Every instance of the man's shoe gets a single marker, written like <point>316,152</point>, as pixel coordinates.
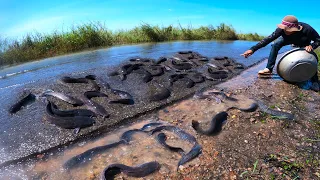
<point>315,86</point>
<point>265,71</point>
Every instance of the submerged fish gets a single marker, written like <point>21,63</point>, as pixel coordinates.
<point>136,171</point>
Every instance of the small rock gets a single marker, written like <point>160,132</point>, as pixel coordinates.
<point>181,167</point>
<point>246,141</point>
<point>253,120</point>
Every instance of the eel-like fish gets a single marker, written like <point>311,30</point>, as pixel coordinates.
<point>91,94</point>
<point>68,79</point>
<point>68,122</point>
<point>87,155</point>
<point>71,113</point>
<point>125,98</point>
<point>253,106</point>
<point>162,93</point>
<point>217,74</point>
<point>194,152</point>
<point>196,77</point>
<point>181,66</point>
<point>146,126</point>
<point>161,138</point>
<point>280,114</point>
<point>215,125</point>
<point>24,101</point>
<point>136,171</point>
<point>127,136</point>
<point>64,97</point>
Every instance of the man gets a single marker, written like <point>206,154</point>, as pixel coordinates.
<point>289,32</point>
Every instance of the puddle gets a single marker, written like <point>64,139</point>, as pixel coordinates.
<point>142,149</point>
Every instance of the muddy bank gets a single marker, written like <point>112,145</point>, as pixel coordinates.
<point>251,145</point>
<point>29,131</point>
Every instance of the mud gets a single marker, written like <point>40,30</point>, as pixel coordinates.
<point>251,145</point>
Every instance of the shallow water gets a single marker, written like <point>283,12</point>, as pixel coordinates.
<point>39,70</point>
<point>14,79</point>
<point>142,149</point>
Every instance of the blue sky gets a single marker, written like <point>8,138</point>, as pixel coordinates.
<point>17,18</point>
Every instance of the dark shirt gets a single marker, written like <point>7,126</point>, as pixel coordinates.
<point>301,38</point>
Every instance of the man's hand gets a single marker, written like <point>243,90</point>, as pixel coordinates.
<point>309,48</point>
<point>247,53</point>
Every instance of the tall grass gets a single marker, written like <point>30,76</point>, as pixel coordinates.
<point>94,35</point>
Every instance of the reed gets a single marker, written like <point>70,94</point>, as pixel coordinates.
<point>95,35</point>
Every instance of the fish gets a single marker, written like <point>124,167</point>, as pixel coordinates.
<point>215,124</point>
<point>71,113</point>
<point>69,99</point>
<point>141,170</point>
<point>161,138</point>
<point>86,156</point>
<point>24,101</point>
<point>68,122</point>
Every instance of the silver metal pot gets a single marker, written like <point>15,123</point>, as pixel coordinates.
<point>297,65</point>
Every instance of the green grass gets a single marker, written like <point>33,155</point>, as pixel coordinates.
<point>95,35</point>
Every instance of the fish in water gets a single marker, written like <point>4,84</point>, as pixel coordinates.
<point>24,101</point>
<point>68,122</point>
<point>84,157</point>
<point>64,97</point>
<point>146,126</point>
<point>161,138</point>
<point>137,171</point>
<point>194,152</point>
<point>127,136</point>
<point>215,124</point>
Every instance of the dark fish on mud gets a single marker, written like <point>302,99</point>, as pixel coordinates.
<point>276,113</point>
<point>196,150</point>
<point>136,171</point>
<point>91,94</point>
<point>160,94</point>
<point>68,79</point>
<point>96,108</point>
<point>63,97</point>
<point>215,124</point>
<point>68,122</point>
<point>161,138</point>
<point>124,97</point>
<point>71,113</point>
<point>24,101</point>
